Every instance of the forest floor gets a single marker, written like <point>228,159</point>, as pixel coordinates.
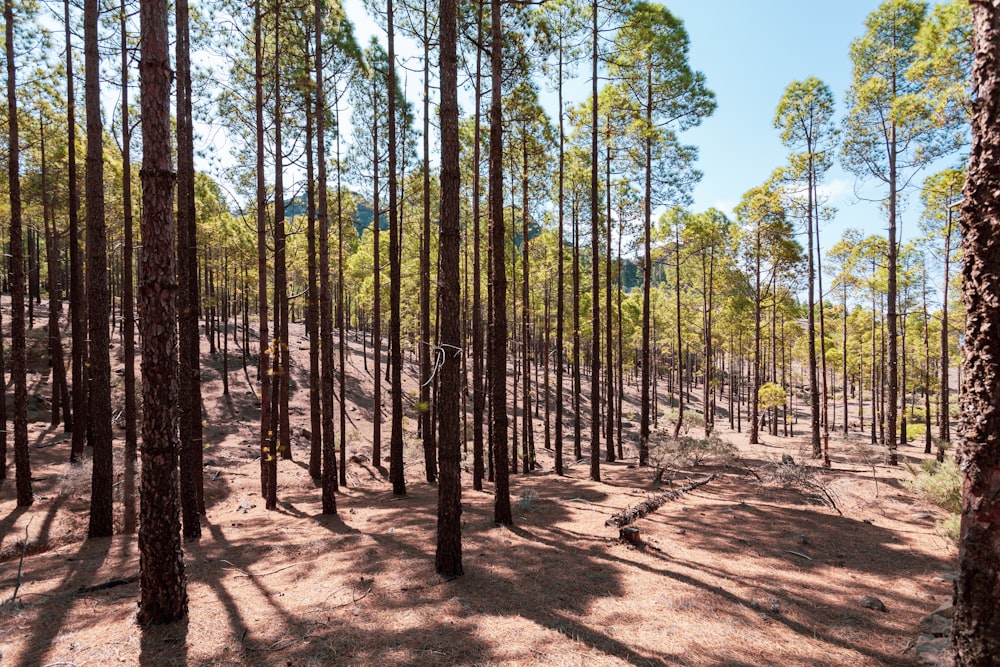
<point>764,565</point>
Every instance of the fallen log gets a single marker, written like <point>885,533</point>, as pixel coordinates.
<point>113,583</point>
<point>630,514</point>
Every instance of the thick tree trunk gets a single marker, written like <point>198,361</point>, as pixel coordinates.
<point>128,296</point>
<point>18,371</point>
<point>329,456</point>
<point>189,370</point>
<point>448,559</point>
<point>498,322</point>
<point>162,589</point>
<point>976,629</point>
<point>98,296</point>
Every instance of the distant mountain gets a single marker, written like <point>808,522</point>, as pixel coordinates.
<point>362,220</point>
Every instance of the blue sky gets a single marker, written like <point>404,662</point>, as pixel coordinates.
<point>749,53</point>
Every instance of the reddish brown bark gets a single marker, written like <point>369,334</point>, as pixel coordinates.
<point>976,629</point>
<point>22,465</point>
<point>162,590</point>
<point>448,560</point>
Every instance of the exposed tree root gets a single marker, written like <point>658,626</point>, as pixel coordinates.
<point>630,514</point>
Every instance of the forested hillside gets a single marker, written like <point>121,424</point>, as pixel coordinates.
<point>255,265</point>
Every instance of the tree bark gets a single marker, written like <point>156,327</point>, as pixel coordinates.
<point>18,371</point>
<point>396,473</point>
<point>98,296</point>
<point>498,323</point>
<point>264,359</point>
<point>426,414</point>
<point>128,295</point>
<point>595,271</point>
<point>976,629</point>
<point>189,371</point>
<point>478,390</point>
<point>313,288</point>
<point>448,559</point>
<point>77,294</point>
<point>162,589</point>
<point>329,456</point>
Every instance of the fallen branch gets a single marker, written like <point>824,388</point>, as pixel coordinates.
<point>112,583</point>
<point>630,514</point>
<point>801,555</point>
<point>20,564</point>
<point>244,573</point>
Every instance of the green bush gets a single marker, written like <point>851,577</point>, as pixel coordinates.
<point>940,483</point>
<point>915,432</point>
<point>950,527</point>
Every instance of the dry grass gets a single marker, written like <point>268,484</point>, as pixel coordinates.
<point>741,571</point>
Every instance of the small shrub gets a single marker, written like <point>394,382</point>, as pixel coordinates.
<point>688,451</point>
<point>915,432</point>
<point>950,527</point>
<point>528,498</point>
<point>940,483</point>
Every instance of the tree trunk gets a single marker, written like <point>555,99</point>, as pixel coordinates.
<point>312,311</point>
<point>680,342</point>
<point>647,285</point>
<point>448,558</point>
<point>396,473</point>
<point>98,297</point>
<point>814,407</point>
<point>189,371</point>
<point>128,296</point>
<point>595,271</point>
<point>162,589</point>
<point>282,359</point>
<point>478,390</point>
<point>944,409</point>
<point>77,287</point>
<point>329,456</point>
<point>60,389</point>
<point>341,323</point>
<point>609,358</point>
<point>263,368</point>
<point>498,324</point>
<point>976,629</point>
<point>18,371</point>
<point>426,423</point>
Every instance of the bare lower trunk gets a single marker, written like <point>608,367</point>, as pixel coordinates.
<point>976,629</point>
